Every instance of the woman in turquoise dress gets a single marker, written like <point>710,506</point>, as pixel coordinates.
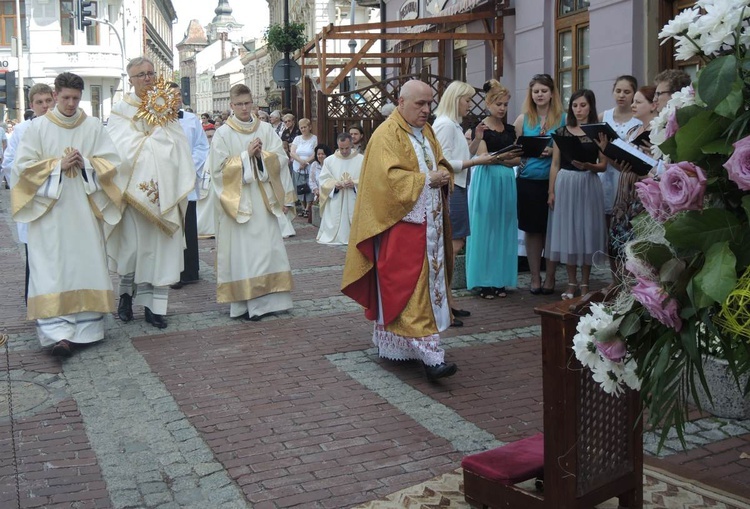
<point>542,114</point>
<point>492,247</point>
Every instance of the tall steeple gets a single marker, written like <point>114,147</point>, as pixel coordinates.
<point>223,13</point>
<point>223,24</point>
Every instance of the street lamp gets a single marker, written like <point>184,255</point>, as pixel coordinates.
<point>352,47</point>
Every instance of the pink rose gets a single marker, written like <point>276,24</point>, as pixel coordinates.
<point>672,125</point>
<point>612,350</point>
<point>682,187</point>
<point>650,195</point>
<point>658,303</point>
<point>639,268</point>
<point>738,166</point>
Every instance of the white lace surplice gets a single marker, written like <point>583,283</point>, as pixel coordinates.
<point>429,208</point>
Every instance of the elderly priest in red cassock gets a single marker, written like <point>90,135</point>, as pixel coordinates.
<point>398,264</point>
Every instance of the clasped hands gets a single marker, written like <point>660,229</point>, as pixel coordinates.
<point>255,148</point>
<point>72,160</point>
<point>439,178</point>
<point>345,184</point>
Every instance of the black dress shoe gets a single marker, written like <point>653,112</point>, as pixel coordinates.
<point>177,285</point>
<point>157,321</point>
<point>62,348</point>
<point>457,323</point>
<point>462,313</point>
<point>442,370</point>
<point>125,307</point>
<point>246,316</point>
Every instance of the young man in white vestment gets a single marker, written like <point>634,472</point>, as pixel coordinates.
<point>41,100</point>
<point>64,188</point>
<point>253,187</point>
<point>338,192</point>
<point>146,248</point>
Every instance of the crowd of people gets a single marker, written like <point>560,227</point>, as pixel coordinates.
<point>405,202</point>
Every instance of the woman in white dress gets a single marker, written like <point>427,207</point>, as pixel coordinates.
<point>302,153</point>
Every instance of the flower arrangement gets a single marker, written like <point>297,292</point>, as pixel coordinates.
<point>686,287</point>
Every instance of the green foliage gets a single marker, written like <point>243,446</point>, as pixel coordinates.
<point>285,39</point>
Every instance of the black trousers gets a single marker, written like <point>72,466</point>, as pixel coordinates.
<point>191,242</point>
<point>28,272</point>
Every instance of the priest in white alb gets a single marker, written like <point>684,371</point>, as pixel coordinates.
<point>64,189</point>
<point>338,192</point>
<point>146,247</point>
<point>254,189</point>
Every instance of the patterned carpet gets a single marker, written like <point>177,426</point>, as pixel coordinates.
<point>661,490</point>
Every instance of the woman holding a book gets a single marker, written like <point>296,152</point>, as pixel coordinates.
<point>542,114</point>
<point>627,205</point>
<point>577,229</point>
<point>453,106</point>
<point>492,248</point>
<point>621,119</point>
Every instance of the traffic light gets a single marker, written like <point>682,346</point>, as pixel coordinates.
<point>185,90</point>
<point>8,92</point>
<point>84,14</point>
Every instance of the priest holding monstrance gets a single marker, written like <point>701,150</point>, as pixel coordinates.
<point>146,247</point>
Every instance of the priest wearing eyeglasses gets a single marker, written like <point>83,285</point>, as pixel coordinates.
<point>146,248</point>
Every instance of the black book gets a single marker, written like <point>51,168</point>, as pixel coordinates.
<point>509,148</point>
<point>644,136</point>
<point>619,150</point>
<point>572,148</point>
<point>533,146</point>
<point>593,130</point>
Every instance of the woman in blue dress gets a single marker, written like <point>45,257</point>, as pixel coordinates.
<point>492,247</point>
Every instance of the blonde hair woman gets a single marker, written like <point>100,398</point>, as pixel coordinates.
<point>542,114</point>
<point>454,105</point>
<point>492,249</point>
<point>302,153</point>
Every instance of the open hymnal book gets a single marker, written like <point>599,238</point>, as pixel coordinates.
<point>619,150</point>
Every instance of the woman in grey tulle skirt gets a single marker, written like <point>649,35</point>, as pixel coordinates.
<point>576,229</point>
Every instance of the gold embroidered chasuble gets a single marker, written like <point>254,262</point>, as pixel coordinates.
<point>390,184</point>
<point>251,260</point>
<point>65,211</point>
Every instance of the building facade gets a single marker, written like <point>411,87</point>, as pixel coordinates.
<point>51,44</point>
<point>546,36</point>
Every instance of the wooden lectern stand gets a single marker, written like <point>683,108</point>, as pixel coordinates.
<point>593,443</point>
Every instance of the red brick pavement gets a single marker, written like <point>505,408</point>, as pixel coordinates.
<point>288,425</point>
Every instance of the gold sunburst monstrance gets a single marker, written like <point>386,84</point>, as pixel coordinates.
<point>160,104</point>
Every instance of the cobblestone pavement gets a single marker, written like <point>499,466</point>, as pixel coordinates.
<point>296,410</point>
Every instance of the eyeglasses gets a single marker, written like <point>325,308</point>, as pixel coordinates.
<point>142,75</point>
<point>657,94</point>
